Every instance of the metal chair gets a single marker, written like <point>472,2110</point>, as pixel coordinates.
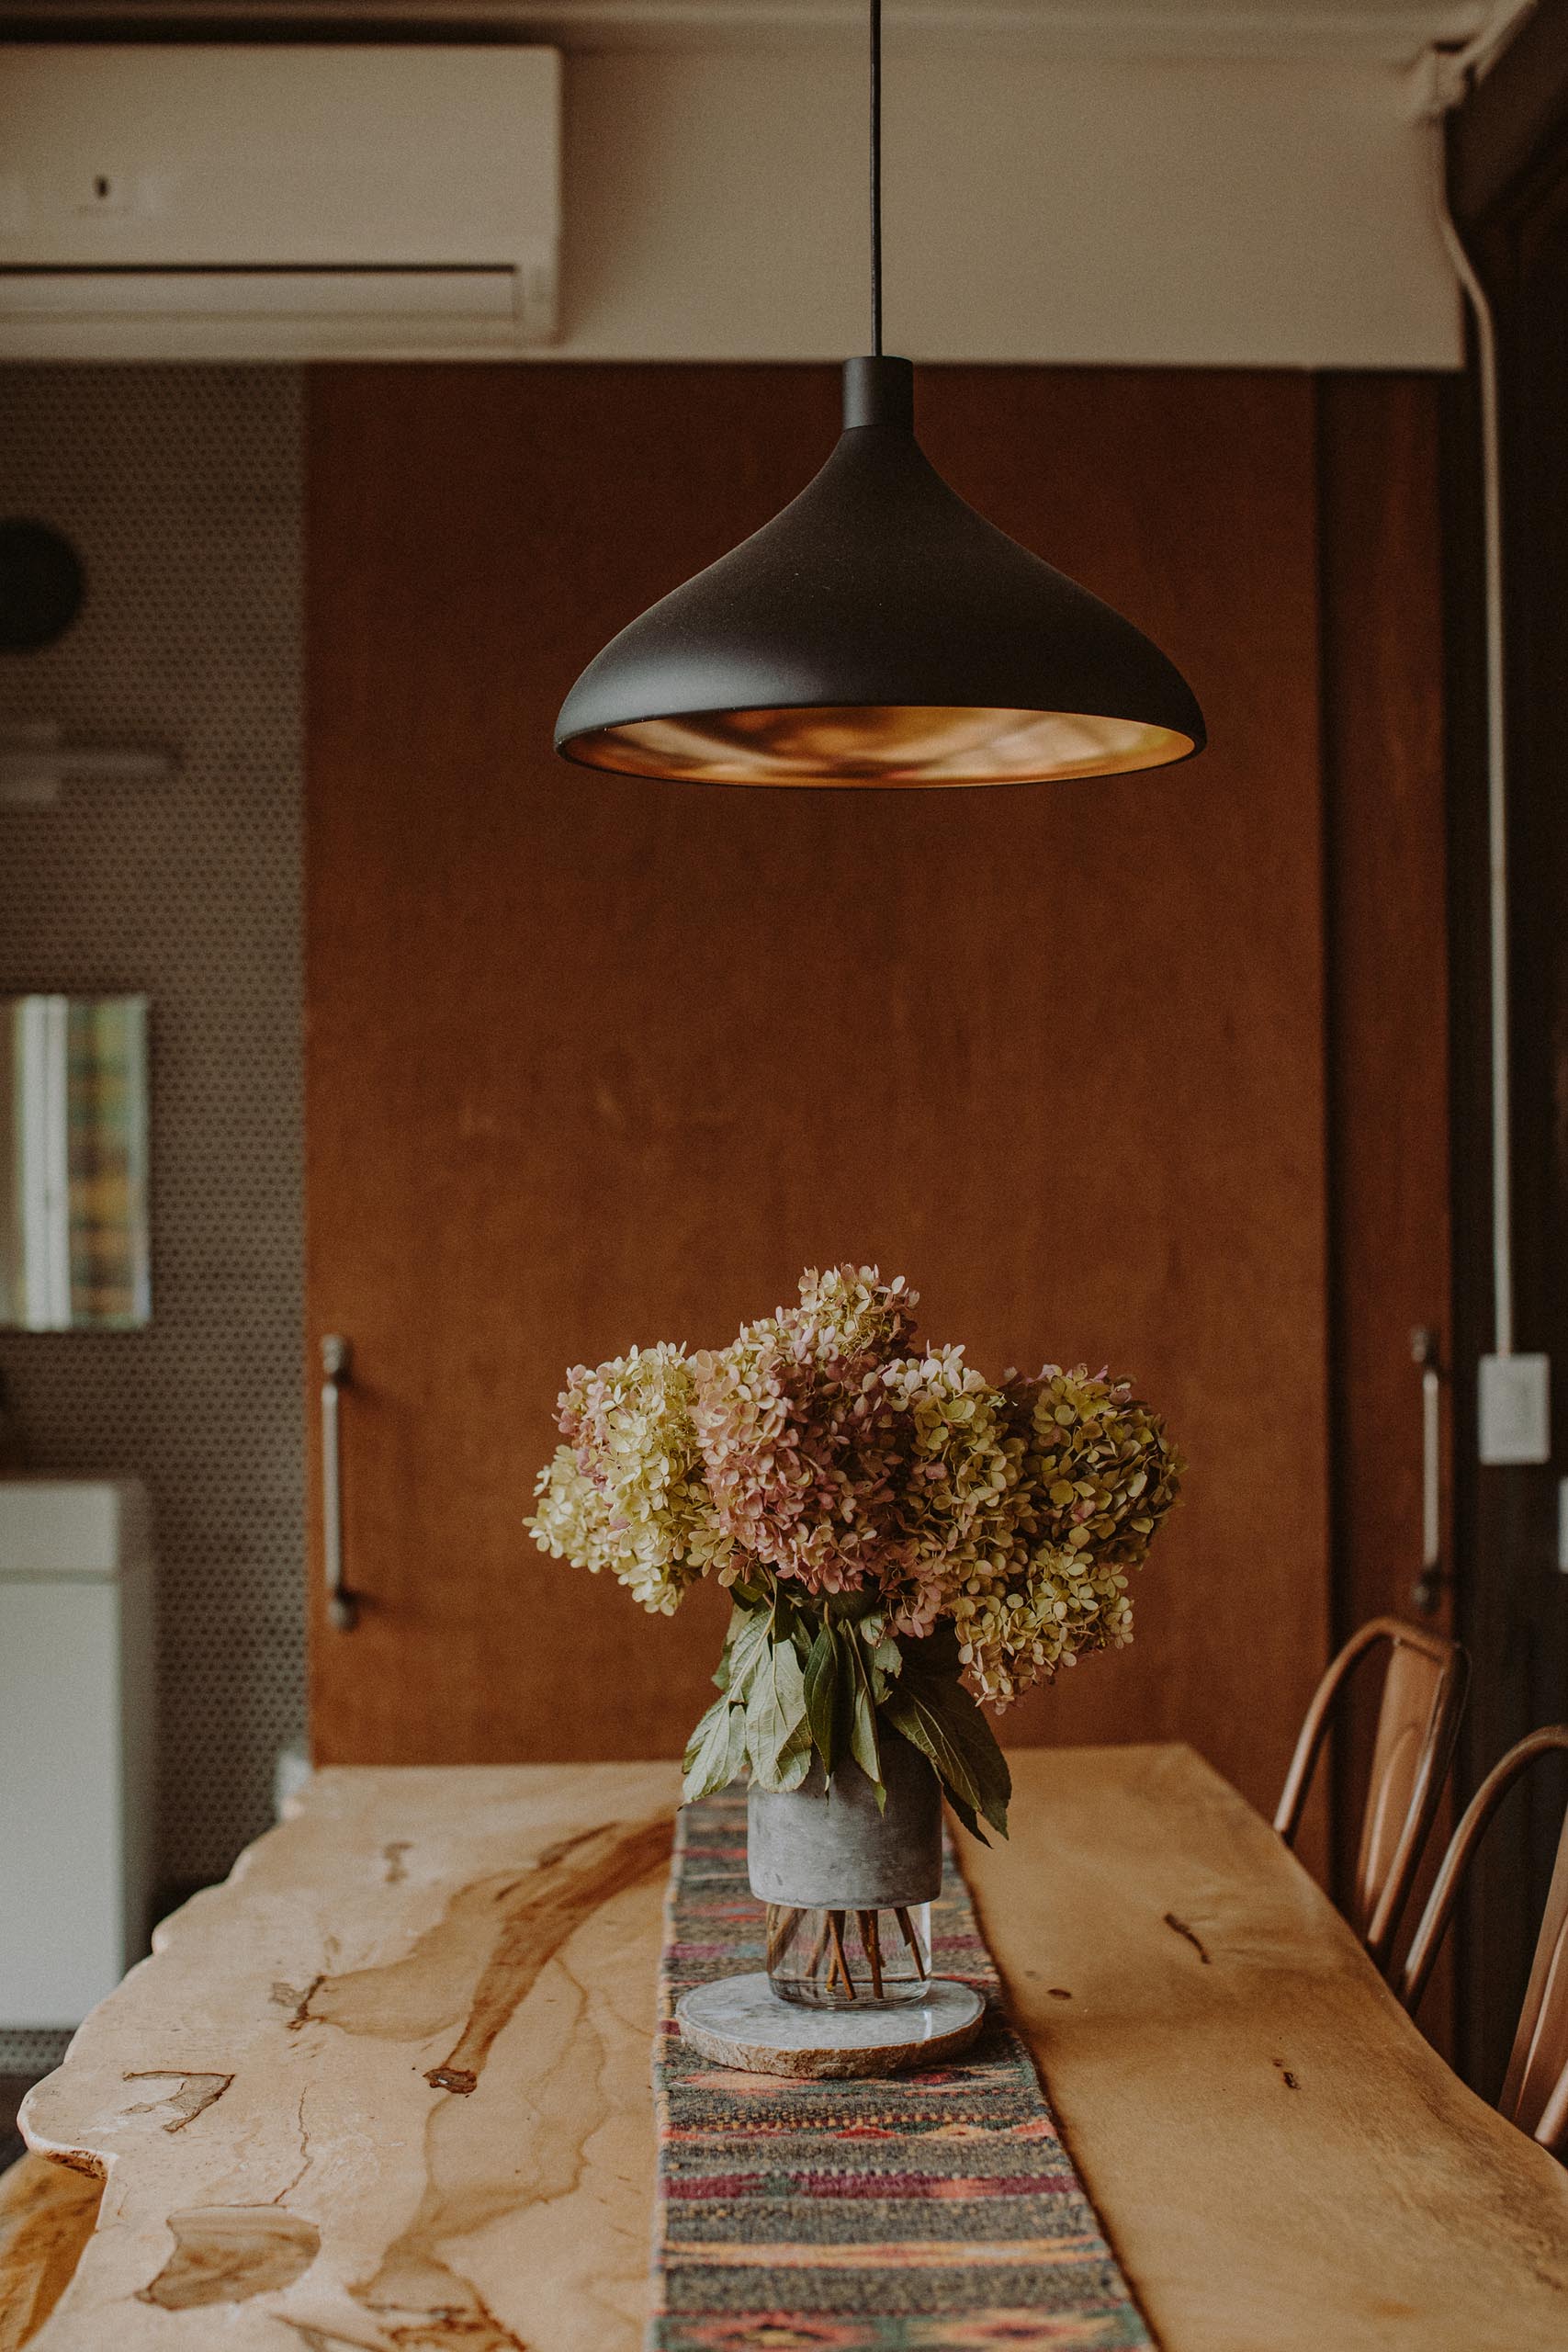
<point>1422,1697</point>
<point>1534,2088</point>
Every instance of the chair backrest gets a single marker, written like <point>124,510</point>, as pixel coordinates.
<point>1422,1697</point>
<point>1534,2088</point>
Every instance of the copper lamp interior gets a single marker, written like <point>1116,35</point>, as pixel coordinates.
<point>845,745</point>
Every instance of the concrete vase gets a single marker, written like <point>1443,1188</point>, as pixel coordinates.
<point>825,1845</point>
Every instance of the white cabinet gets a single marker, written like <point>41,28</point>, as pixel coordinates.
<point>75,1743</point>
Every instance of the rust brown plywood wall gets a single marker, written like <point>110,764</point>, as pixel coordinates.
<point>593,1061</point>
<point>1388,1018</point>
<point>1387,868</point>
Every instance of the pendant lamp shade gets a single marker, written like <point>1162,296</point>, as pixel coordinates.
<point>879,632</point>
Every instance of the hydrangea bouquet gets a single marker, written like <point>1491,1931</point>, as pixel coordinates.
<point>901,1540</point>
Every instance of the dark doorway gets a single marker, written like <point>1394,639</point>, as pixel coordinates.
<point>1508,183</point>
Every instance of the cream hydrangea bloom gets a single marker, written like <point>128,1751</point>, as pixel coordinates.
<point>627,1491</point>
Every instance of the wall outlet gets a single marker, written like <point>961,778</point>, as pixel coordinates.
<point>1516,1409</point>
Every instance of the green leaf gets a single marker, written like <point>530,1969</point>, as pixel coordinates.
<point>794,1760</point>
<point>941,1719</point>
<point>968,1817</point>
<point>935,1652</point>
<point>822,1694</point>
<point>775,1712</point>
<point>963,1745</point>
<point>866,1747</point>
<point>908,1713</point>
<point>721,1672</point>
<point>737,1744</point>
<point>708,1762</point>
<point>851,1608</point>
<point>750,1630</point>
<point>970,1732</point>
<point>864,1744</point>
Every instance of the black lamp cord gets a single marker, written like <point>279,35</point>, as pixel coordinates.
<point>877,177</point>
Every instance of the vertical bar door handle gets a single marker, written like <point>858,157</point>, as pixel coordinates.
<point>343,1609</point>
<point>1429,1585</point>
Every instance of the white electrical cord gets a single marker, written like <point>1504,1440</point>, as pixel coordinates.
<point>1497,727</point>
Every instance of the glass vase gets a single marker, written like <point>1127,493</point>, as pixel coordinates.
<point>831,1958</point>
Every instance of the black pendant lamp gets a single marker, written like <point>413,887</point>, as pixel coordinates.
<point>879,632</point>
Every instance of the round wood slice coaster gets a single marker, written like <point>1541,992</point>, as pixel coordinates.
<point>741,2022</point>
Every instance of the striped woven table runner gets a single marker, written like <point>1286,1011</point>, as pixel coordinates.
<point>920,2213</point>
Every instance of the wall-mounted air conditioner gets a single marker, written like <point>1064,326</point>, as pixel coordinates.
<point>269,202</point>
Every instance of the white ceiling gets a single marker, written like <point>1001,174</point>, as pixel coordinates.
<point>1392,32</point>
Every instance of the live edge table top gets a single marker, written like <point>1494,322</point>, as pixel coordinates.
<point>388,2087</point>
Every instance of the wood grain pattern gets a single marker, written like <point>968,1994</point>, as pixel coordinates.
<point>1388,1041</point>
<point>431,1994</point>
<point>1388,1023</point>
<point>592,1061</point>
<point>1281,2161</point>
<point>47,2215</point>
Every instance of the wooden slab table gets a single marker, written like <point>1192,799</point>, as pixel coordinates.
<point>388,2087</point>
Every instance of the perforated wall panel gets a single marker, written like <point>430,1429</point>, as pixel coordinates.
<point>181,489</point>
